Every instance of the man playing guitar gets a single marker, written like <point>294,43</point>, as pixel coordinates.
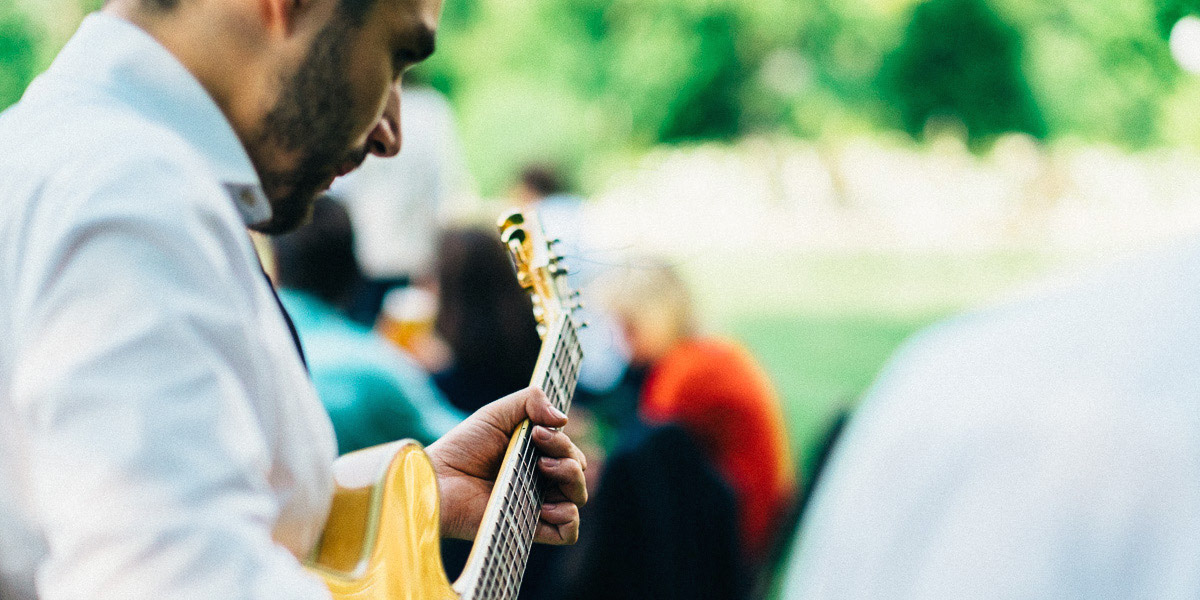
<point>158,434</point>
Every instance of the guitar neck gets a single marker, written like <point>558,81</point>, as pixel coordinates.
<point>497,562</point>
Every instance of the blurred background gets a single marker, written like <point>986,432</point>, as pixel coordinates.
<point>828,175</point>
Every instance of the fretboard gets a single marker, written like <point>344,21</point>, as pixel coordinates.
<point>497,562</point>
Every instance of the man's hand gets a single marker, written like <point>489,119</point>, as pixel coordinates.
<point>468,458</point>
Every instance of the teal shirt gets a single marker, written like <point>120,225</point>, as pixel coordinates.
<point>373,392</point>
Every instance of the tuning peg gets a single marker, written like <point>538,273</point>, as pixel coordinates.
<point>554,242</point>
<point>584,325</point>
<point>510,219</point>
<point>513,236</point>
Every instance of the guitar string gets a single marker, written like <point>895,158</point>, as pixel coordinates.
<point>513,539</point>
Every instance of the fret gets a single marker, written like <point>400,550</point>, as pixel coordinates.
<point>511,518</point>
<point>502,566</point>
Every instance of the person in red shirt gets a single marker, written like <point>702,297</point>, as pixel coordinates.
<point>716,390</point>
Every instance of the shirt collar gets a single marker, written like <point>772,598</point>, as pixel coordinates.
<point>121,61</point>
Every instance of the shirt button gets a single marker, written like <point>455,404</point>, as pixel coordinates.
<point>247,197</point>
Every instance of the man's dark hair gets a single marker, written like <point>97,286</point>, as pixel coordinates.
<point>484,316</point>
<point>318,258</point>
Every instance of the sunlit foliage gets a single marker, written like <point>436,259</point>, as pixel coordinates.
<point>960,61</point>
<point>18,53</point>
<point>583,82</point>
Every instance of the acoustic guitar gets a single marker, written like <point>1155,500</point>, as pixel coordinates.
<point>382,539</point>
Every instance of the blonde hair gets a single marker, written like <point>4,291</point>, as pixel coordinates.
<point>651,295</point>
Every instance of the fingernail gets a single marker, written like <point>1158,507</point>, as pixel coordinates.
<point>558,413</point>
<point>550,462</point>
<point>542,433</point>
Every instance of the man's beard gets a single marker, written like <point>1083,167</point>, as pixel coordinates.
<point>311,119</point>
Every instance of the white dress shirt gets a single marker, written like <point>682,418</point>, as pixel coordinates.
<point>1046,448</point>
<point>159,437</point>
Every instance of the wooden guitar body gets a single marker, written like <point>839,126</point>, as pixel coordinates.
<point>381,540</point>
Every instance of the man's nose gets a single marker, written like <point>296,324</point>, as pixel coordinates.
<point>384,140</point>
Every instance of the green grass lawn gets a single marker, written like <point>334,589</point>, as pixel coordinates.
<point>824,324</point>
<point>821,364</point>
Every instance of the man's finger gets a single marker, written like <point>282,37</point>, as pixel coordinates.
<point>559,513</point>
<point>543,412</point>
<point>556,444</point>
<point>566,474</point>
<point>554,494</point>
<point>530,403</point>
<point>559,524</point>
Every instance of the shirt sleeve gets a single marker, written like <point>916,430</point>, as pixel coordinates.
<point>133,374</point>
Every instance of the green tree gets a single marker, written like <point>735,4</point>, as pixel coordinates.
<point>1169,12</point>
<point>581,83</point>
<point>1099,68</point>
<point>19,44</point>
<point>571,81</point>
<point>959,59</point>
<point>679,68</point>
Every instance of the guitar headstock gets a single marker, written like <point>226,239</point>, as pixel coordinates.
<point>539,269</point>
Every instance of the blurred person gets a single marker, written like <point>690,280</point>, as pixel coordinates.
<point>373,392</point>
<point>562,215</point>
<point>484,318</point>
<point>712,387</point>
<point>664,533</point>
<point>159,437</point>
<point>1046,447</point>
<point>399,203</point>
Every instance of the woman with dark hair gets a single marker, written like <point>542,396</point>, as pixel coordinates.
<point>484,317</point>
